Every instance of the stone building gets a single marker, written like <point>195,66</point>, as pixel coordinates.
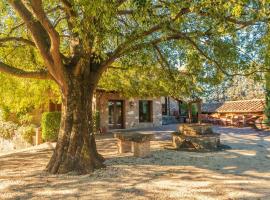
<point>118,112</point>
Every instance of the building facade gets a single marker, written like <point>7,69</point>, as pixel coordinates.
<point>118,112</point>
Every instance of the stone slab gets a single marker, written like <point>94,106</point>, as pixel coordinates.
<point>195,129</point>
<point>134,136</point>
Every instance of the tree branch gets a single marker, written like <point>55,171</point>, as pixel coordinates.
<point>17,39</point>
<point>58,68</point>
<point>24,74</point>
<point>38,33</point>
<point>163,61</point>
<point>142,35</point>
<point>15,27</point>
<point>217,64</point>
<point>53,34</point>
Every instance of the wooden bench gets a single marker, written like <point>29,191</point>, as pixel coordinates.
<point>138,143</point>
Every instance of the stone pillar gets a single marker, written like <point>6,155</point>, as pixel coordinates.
<point>124,146</point>
<point>141,149</point>
<point>38,136</point>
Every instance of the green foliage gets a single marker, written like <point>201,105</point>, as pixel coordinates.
<point>5,113</point>
<point>184,109</point>
<point>235,88</point>
<point>7,129</point>
<point>50,124</point>
<point>24,118</point>
<point>210,39</point>
<point>149,81</point>
<point>23,96</point>
<point>27,133</point>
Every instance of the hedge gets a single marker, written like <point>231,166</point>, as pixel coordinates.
<point>50,124</point>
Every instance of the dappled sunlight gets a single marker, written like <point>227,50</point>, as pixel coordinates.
<point>244,152</point>
<point>242,172</point>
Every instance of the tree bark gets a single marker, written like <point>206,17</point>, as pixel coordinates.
<point>76,147</point>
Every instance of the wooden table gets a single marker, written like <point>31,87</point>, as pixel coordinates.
<point>136,142</point>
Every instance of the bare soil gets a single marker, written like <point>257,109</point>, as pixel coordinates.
<point>242,172</point>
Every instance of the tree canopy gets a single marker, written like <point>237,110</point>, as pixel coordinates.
<point>216,36</point>
<point>205,41</point>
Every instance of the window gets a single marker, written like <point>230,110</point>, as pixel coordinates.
<point>54,107</point>
<point>145,111</point>
<point>165,106</point>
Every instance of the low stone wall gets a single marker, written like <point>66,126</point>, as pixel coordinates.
<point>198,137</point>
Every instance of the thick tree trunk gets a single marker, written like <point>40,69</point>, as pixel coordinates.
<point>76,147</point>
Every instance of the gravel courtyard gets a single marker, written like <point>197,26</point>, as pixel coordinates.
<point>242,172</point>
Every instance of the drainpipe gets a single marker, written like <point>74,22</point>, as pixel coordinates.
<point>199,104</point>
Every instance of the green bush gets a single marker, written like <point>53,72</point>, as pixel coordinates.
<point>27,133</point>
<point>184,109</point>
<point>50,124</point>
<point>5,113</point>
<point>7,129</point>
<point>25,118</point>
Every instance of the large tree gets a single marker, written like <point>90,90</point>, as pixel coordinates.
<point>72,42</point>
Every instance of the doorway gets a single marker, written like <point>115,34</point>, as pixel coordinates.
<point>116,110</point>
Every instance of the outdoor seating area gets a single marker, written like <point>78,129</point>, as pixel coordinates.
<point>241,113</point>
<point>236,121</point>
<point>253,121</point>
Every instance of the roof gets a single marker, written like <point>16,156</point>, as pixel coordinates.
<point>242,106</point>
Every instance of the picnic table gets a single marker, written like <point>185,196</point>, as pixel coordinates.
<point>136,142</point>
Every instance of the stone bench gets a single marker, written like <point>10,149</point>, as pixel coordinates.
<point>138,143</point>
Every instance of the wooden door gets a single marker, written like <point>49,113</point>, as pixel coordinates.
<point>115,110</point>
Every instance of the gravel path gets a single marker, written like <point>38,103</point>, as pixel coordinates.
<point>242,172</point>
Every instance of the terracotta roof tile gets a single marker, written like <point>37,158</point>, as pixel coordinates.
<point>254,105</point>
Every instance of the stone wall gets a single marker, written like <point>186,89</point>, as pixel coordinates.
<point>131,111</point>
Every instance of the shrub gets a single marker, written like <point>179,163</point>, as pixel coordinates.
<point>5,113</point>
<point>7,129</point>
<point>27,133</point>
<point>50,125</point>
<point>25,118</point>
